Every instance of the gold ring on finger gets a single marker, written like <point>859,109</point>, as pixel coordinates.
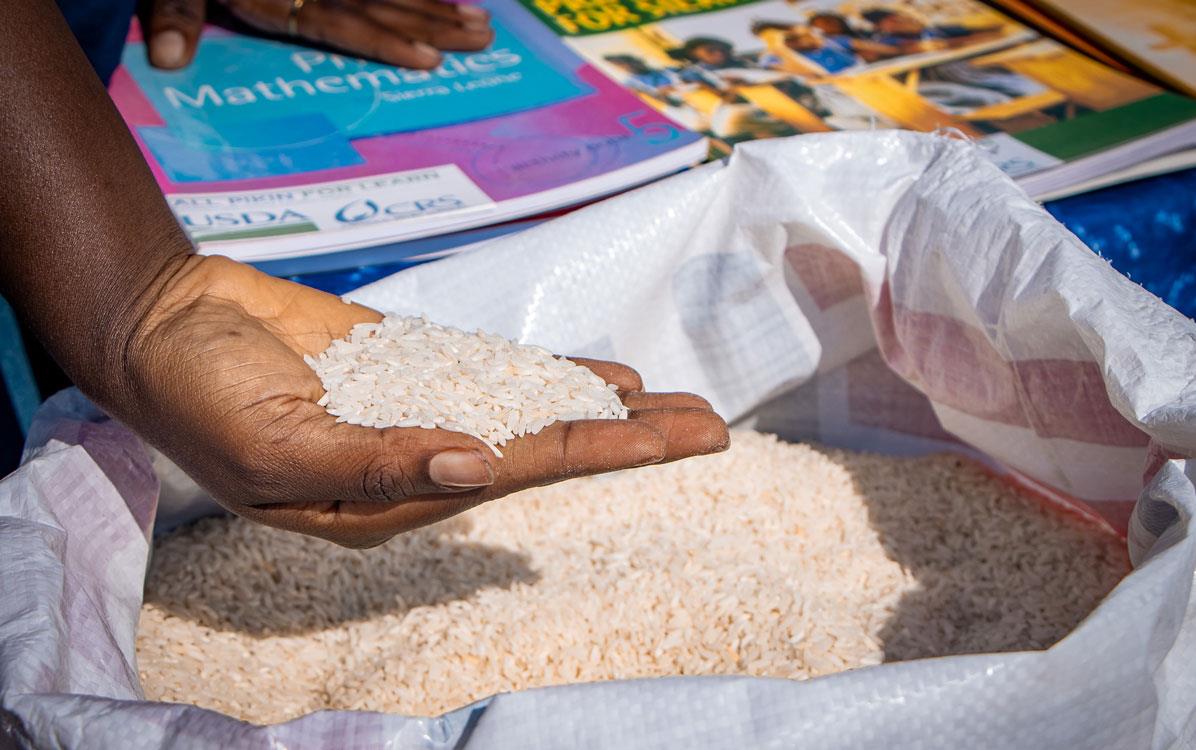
<point>293,15</point>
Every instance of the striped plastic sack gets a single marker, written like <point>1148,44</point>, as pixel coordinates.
<point>879,291</point>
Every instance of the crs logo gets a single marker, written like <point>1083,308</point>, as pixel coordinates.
<point>358,210</point>
<point>366,209</point>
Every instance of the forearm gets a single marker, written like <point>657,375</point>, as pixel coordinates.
<point>85,234</point>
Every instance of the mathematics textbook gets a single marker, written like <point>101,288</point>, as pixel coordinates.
<point>267,150</point>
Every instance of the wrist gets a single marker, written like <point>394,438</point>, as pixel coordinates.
<point>107,371</point>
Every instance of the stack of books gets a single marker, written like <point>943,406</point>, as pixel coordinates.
<point>302,159</point>
<point>1152,39</point>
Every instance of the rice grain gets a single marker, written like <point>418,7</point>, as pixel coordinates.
<point>409,372</point>
<point>774,559</point>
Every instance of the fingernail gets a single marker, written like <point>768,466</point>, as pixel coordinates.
<point>460,469</point>
<point>473,12</point>
<point>426,51</point>
<point>721,443</point>
<point>167,48</point>
<point>649,457</point>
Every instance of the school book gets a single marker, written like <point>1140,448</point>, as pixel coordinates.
<point>738,70</point>
<point>1157,37</point>
<point>363,264</point>
<point>267,150</point>
<point>1030,15</point>
<point>1165,164</point>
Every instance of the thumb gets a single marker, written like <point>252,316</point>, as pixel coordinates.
<point>319,460</point>
<point>173,31</point>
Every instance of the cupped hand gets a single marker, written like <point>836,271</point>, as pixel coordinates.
<point>215,378</point>
<point>406,33</point>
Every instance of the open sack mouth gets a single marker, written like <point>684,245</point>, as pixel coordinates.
<point>773,560</point>
<point>927,310</point>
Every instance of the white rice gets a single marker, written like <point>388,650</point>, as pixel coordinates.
<point>409,372</point>
<point>771,559</point>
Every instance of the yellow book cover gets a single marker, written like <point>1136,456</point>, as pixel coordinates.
<point>1158,36</point>
<point>739,70</point>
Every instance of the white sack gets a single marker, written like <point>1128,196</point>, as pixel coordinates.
<point>883,291</point>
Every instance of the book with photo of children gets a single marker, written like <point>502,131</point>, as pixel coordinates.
<point>269,151</point>
<point>739,70</point>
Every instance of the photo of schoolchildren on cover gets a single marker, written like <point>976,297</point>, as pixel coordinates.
<point>743,70</point>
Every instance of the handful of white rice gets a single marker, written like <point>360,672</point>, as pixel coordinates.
<point>409,372</point>
<point>771,559</point>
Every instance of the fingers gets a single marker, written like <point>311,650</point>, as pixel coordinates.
<point>406,33</point>
<point>174,29</point>
<point>621,376</point>
<point>561,451</point>
<point>640,401</point>
<point>570,449</point>
<point>687,431</point>
<point>565,450</point>
<point>305,456</point>
<point>391,465</point>
<point>453,12</point>
<point>356,32</point>
<point>630,387</point>
<point>444,31</point>
<point>327,461</point>
<point>360,525</point>
<point>377,523</point>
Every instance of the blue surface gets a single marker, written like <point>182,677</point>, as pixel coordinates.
<point>339,282</point>
<point>397,256</point>
<point>19,384</point>
<point>1145,229</point>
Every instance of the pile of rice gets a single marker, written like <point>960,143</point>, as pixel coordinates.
<point>409,372</point>
<point>771,559</point>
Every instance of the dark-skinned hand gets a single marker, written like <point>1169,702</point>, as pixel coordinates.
<point>406,33</point>
<point>221,386</point>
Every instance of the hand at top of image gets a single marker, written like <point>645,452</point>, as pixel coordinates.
<point>406,33</point>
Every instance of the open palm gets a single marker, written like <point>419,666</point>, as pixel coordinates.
<point>218,383</point>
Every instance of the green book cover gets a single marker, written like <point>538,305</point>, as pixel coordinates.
<point>1097,131</point>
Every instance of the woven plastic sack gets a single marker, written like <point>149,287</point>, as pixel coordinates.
<point>882,291</point>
